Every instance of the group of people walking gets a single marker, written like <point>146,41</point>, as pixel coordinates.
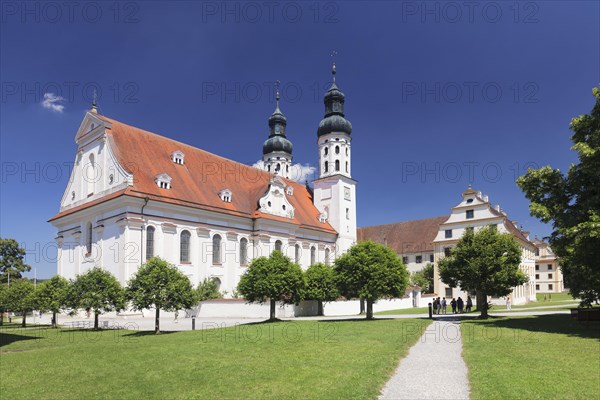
<point>439,306</point>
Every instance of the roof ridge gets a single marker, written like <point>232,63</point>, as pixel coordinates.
<point>185,144</point>
<point>403,222</point>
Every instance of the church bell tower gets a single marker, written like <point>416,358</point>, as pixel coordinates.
<point>335,190</point>
<point>277,149</point>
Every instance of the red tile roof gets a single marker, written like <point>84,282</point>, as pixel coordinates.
<point>404,237</point>
<point>199,180</point>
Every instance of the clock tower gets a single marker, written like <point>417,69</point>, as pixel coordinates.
<point>335,190</point>
<point>277,149</point>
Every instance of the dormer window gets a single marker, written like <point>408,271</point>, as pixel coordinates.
<point>177,157</point>
<point>323,218</point>
<point>289,191</point>
<point>226,195</point>
<point>163,181</point>
<point>469,201</point>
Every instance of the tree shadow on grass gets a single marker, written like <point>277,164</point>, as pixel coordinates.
<point>549,323</point>
<point>8,338</point>
<point>149,333</point>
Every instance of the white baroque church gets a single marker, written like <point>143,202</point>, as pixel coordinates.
<point>134,194</point>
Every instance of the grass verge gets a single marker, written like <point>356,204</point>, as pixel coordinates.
<point>292,360</point>
<point>539,357</point>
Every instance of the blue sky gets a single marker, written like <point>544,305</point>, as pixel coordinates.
<point>440,94</point>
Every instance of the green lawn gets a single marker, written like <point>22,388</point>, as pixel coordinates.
<point>415,310</point>
<point>292,360</point>
<point>541,357</point>
<point>555,297</point>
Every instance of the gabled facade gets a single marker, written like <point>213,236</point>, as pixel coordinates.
<point>475,212</point>
<point>134,194</point>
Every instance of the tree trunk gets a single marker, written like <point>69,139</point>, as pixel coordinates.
<point>362,306</point>
<point>54,321</point>
<point>319,308</point>
<point>484,304</point>
<point>1,319</point>
<point>369,309</point>
<point>272,313</point>
<point>481,299</point>
<point>157,321</point>
<point>96,314</point>
<point>24,321</point>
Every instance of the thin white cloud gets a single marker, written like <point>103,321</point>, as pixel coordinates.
<point>298,172</point>
<point>53,102</point>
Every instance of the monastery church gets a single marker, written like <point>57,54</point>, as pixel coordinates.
<point>134,194</point>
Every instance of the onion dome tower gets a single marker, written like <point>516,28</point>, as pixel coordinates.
<point>277,149</point>
<point>335,190</point>
<point>334,134</point>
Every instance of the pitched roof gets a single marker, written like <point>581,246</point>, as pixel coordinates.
<point>199,180</point>
<point>404,237</point>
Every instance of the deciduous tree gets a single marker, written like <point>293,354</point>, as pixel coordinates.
<point>20,297</point>
<point>370,271</point>
<point>160,285</point>
<point>275,278</point>
<point>11,260</point>
<point>572,203</point>
<point>486,262</point>
<point>97,290</point>
<point>52,295</point>
<point>423,278</point>
<point>320,285</point>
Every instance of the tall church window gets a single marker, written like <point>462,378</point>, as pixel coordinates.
<point>278,245</point>
<point>337,149</point>
<point>216,248</point>
<point>347,167</point>
<point>326,256</point>
<point>184,247</point>
<point>90,175</point>
<point>337,165</point>
<point>297,254</point>
<point>88,238</point>
<point>243,251</point>
<point>149,242</point>
<point>326,151</point>
<point>326,166</point>
<point>313,255</point>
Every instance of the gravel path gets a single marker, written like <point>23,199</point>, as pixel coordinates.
<point>434,367</point>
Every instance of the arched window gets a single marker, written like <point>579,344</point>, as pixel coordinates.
<point>269,167</point>
<point>278,167</point>
<point>326,256</point>
<point>326,151</point>
<point>326,166</point>
<point>337,165</point>
<point>217,282</point>
<point>297,253</point>
<point>88,238</point>
<point>287,168</point>
<point>346,151</point>
<point>216,244</point>
<point>313,255</point>
<point>184,247</point>
<point>278,245</point>
<point>243,251</point>
<point>337,149</point>
<point>347,167</point>
<point>149,242</point>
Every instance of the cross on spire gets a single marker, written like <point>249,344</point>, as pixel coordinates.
<point>333,71</point>
<point>277,83</point>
